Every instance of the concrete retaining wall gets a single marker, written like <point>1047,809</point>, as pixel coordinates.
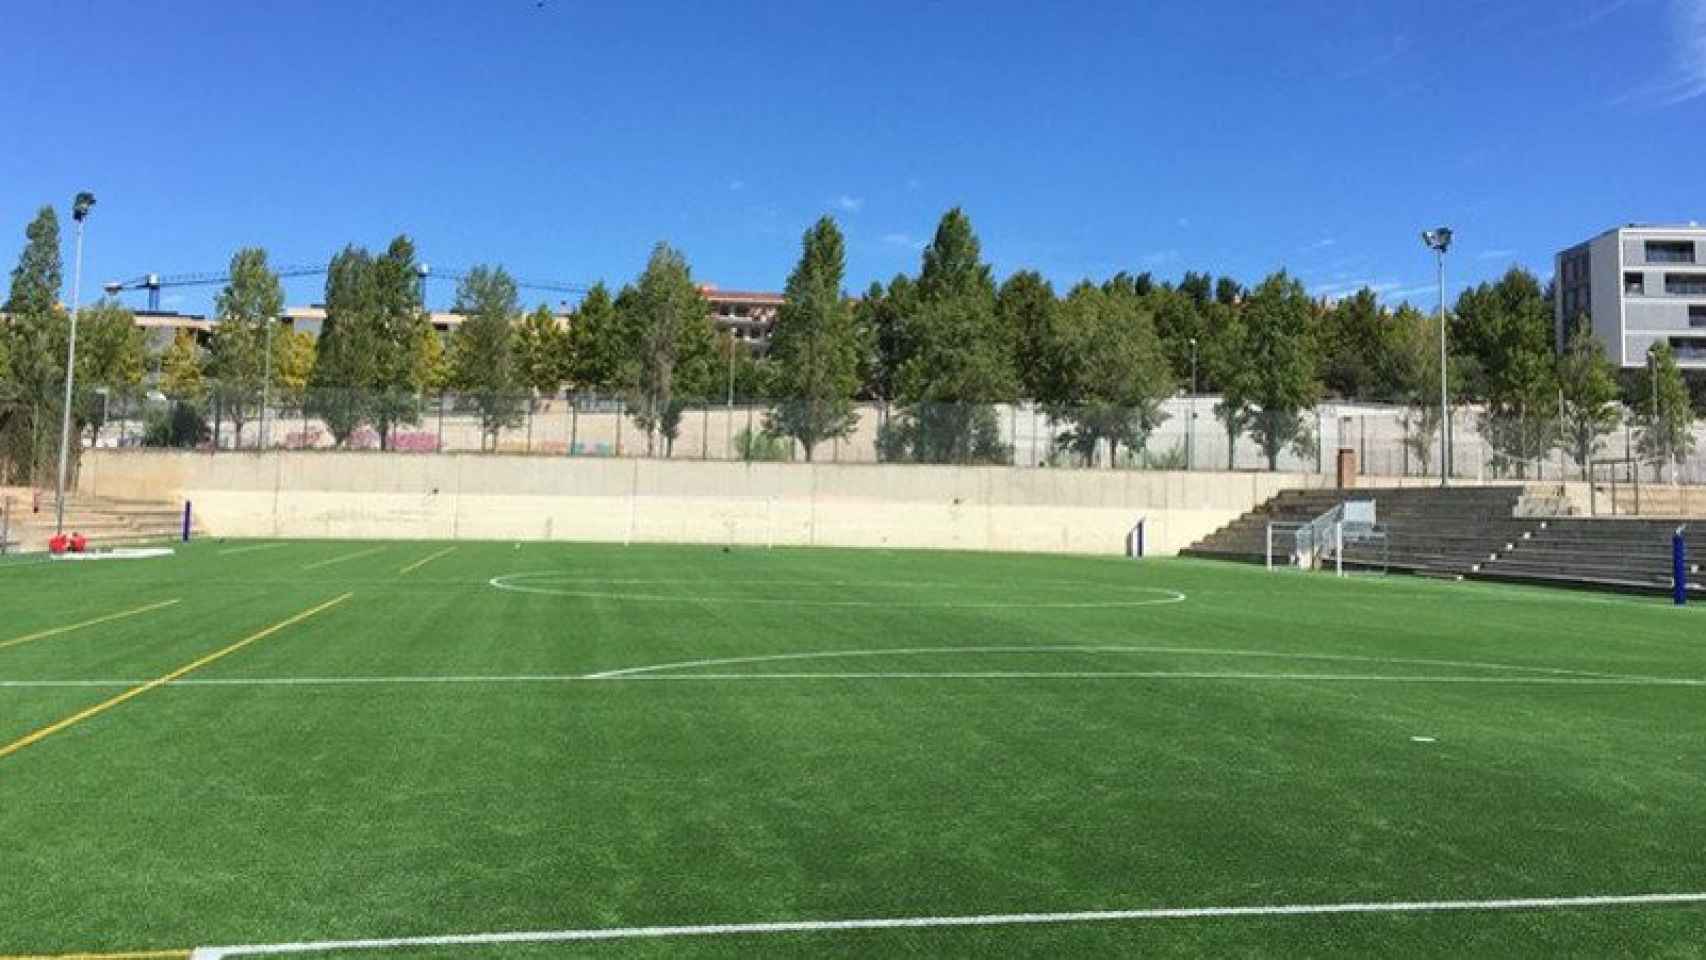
<point>494,497</point>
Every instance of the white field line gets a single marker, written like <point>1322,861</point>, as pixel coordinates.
<point>885,675</point>
<point>506,582</point>
<point>253,547</point>
<point>980,920</point>
<point>410,568</point>
<point>348,556</point>
<point>1068,648</point>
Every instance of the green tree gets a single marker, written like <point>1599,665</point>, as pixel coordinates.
<point>247,307</point>
<point>181,371</point>
<point>1227,364</point>
<point>1357,335</point>
<point>542,352</point>
<point>111,355</point>
<point>293,365</point>
<point>346,353</point>
<point>1109,373</point>
<point>400,325</point>
<point>1179,319</point>
<point>1503,332</point>
<point>960,359</point>
<point>35,343</point>
<point>1026,307</point>
<point>815,346</point>
<point>597,346</point>
<point>183,383</point>
<point>882,317</point>
<point>486,368</point>
<point>1667,421</point>
<point>1281,352</point>
<point>432,362</point>
<point>1587,387</point>
<point>670,323</point>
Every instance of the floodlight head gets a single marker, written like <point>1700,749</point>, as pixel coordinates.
<point>80,207</point>
<point>1438,238</point>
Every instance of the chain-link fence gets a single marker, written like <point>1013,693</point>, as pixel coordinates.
<point>1181,433</point>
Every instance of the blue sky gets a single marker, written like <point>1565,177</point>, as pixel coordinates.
<point>563,140</point>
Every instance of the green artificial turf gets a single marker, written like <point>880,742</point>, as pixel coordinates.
<point>810,775</point>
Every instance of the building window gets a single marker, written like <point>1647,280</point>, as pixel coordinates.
<point>1634,284</point>
<point>1670,251</point>
<point>1697,316</point>
<point>1686,284</point>
<point>1689,348</point>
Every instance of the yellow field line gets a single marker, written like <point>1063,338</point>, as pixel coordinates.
<point>133,692</point>
<point>133,955</point>
<point>56,631</point>
<point>348,556</point>
<point>424,561</point>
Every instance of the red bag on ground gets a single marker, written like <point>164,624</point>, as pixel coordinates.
<point>79,543</point>
<point>58,544</point>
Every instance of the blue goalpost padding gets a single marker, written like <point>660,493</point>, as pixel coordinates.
<point>1679,567</point>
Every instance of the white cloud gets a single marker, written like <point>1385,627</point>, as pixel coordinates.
<point>1395,48</point>
<point>737,185</point>
<point>850,204</point>
<point>1690,27</point>
<point>1160,258</point>
<point>1405,293</point>
<point>1322,244</point>
<point>903,240</point>
<point>913,183</point>
<point>1686,78</point>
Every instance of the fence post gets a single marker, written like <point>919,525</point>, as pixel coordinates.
<point>705,432</point>
<point>574,425</point>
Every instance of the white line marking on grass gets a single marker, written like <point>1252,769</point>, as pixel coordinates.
<point>1422,740</point>
<point>348,556</point>
<point>1176,651</point>
<point>884,675</point>
<point>979,920</point>
<point>253,547</point>
<point>507,582</point>
<point>424,561</point>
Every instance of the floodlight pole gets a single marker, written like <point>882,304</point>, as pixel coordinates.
<point>1439,240</point>
<point>1444,409</point>
<point>79,212</point>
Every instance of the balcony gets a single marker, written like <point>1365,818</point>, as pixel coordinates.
<point>1666,251</point>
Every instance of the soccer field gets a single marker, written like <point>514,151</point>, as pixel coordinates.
<point>550,749</point>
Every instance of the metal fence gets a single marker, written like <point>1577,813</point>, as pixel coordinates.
<point>1183,433</point>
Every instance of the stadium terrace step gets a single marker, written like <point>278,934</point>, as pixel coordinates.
<point>106,522</point>
<point>1482,534</point>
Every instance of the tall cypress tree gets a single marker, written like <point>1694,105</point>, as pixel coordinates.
<point>31,394</point>
<point>959,362</point>
<point>247,307</point>
<point>344,354</point>
<point>485,368</point>
<point>815,346</point>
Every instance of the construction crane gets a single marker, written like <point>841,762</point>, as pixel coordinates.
<point>154,282</point>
